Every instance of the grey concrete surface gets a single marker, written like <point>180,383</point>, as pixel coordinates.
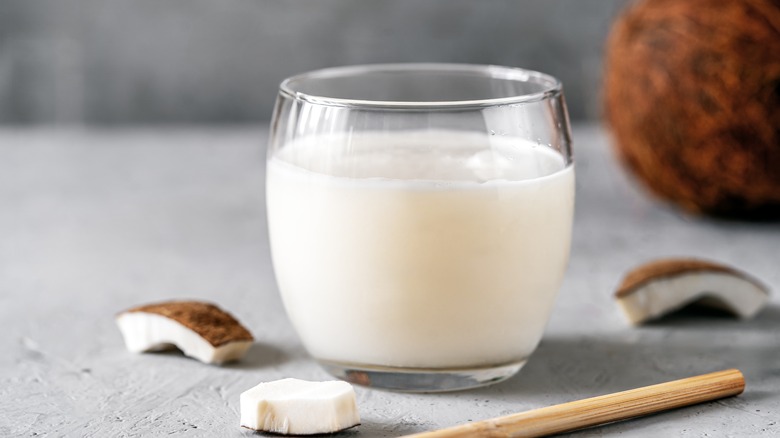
<point>152,61</point>
<point>95,221</point>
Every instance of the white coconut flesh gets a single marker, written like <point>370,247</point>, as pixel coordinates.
<point>299,407</point>
<point>143,332</point>
<point>729,291</point>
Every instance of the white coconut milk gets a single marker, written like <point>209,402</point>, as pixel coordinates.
<point>426,249</point>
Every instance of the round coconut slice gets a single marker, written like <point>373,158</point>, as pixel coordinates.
<point>660,287</point>
<point>200,330</point>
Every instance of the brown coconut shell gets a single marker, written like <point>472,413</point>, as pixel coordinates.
<point>213,324</point>
<point>692,97</point>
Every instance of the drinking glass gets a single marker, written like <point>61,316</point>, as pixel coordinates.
<point>420,218</point>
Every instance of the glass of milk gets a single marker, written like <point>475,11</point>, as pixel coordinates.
<point>420,218</point>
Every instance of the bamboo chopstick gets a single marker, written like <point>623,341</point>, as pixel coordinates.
<point>601,410</point>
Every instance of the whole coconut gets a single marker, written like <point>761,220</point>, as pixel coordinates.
<point>692,96</point>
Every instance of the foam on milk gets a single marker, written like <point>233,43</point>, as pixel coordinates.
<point>433,156</point>
<point>419,249</point>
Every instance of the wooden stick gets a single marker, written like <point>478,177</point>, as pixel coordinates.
<point>601,410</point>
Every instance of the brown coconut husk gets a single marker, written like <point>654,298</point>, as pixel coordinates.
<point>213,324</point>
<point>692,97</point>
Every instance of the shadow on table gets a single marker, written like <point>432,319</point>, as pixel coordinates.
<point>259,355</point>
<point>682,345</point>
<point>366,428</point>
<point>369,428</point>
<point>262,355</point>
<point>717,320</point>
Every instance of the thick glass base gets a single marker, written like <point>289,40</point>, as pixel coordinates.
<point>421,379</point>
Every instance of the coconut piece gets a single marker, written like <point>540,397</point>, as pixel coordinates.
<point>200,330</point>
<point>662,286</point>
<point>671,73</point>
<point>299,407</point>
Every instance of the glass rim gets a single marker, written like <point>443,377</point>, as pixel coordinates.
<point>551,86</point>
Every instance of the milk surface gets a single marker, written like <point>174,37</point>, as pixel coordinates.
<point>429,249</point>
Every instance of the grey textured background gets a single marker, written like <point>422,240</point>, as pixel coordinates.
<point>193,61</point>
<point>98,220</point>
